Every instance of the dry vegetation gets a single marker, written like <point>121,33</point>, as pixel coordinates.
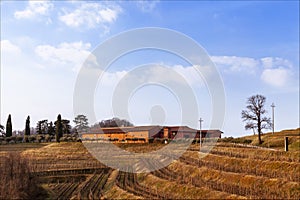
<point>274,141</point>
<point>61,156</point>
<point>16,180</point>
<point>68,171</point>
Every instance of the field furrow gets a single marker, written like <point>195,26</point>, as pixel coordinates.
<point>92,187</point>
<point>227,171</point>
<point>118,193</point>
<point>251,153</point>
<point>271,169</point>
<point>240,184</point>
<point>184,191</point>
<point>128,181</point>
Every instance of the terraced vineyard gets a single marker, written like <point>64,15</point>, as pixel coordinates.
<point>68,171</point>
<point>128,181</point>
<point>61,156</point>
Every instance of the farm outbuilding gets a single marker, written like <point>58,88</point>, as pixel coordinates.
<point>145,134</point>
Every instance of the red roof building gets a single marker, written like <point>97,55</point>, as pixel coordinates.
<point>145,134</point>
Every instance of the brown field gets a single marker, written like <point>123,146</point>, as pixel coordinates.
<point>275,141</point>
<point>68,171</point>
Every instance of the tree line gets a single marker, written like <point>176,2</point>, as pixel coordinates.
<point>253,115</point>
<point>59,128</point>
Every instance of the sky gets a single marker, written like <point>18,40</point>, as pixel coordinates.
<point>254,45</point>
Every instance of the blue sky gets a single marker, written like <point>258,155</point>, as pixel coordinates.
<point>255,46</point>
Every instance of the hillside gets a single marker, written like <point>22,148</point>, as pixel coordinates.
<point>270,140</point>
<point>67,170</point>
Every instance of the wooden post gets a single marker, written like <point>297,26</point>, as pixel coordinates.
<point>286,144</point>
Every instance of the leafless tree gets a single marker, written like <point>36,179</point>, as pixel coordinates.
<point>254,115</point>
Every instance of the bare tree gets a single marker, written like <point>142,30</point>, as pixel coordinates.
<point>115,122</point>
<point>254,115</point>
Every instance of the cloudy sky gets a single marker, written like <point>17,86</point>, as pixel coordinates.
<point>254,45</point>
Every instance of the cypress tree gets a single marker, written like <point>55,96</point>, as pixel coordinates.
<point>27,129</point>
<point>58,128</point>
<point>9,127</point>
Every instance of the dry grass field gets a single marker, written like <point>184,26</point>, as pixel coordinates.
<point>230,171</point>
<point>274,141</point>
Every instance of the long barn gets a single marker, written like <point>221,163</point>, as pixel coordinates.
<point>146,134</point>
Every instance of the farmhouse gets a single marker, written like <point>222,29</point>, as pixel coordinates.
<point>146,134</point>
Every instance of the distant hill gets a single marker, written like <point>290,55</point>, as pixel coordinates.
<point>275,141</point>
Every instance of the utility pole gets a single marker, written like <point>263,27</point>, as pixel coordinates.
<point>200,135</point>
<point>273,106</point>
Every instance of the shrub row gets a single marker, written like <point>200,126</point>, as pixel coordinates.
<point>36,138</point>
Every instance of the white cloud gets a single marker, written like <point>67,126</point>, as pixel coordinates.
<point>8,47</point>
<point>270,62</point>
<point>276,77</point>
<point>65,54</point>
<point>177,74</point>
<point>274,71</point>
<point>146,6</point>
<point>277,71</point>
<point>190,74</point>
<point>91,15</point>
<point>34,10</point>
<point>236,64</point>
